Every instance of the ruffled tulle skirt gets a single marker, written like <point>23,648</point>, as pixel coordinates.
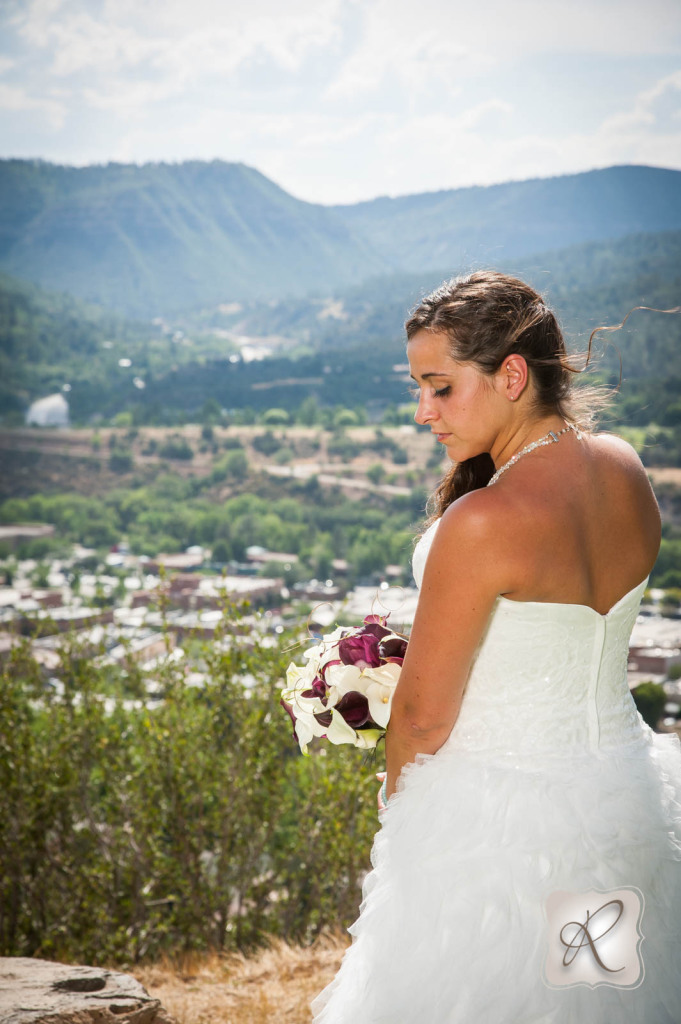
<point>452,926</point>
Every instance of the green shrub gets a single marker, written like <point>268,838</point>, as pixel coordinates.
<point>343,448</point>
<point>376,473</point>
<point>121,461</point>
<point>276,417</point>
<point>192,823</point>
<point>176,448</point>
<point>267,443</point>
<point>650,700</point>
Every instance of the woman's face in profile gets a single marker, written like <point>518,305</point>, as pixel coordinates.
<point>455,400</point>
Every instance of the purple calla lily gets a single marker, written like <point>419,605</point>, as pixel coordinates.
<point>318,689</point>
<point>393,649</point>
<point>322,670</point>
<point>361,649</point>
<point>289,711</point>
<point>354,707</point>
<point>375,629</point>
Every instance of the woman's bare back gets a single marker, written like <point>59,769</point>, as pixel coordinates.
<point>585,522</point>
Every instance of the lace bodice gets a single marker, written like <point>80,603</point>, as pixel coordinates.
<point>548,678</point>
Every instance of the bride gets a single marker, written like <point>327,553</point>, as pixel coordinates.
<point>528,865</point>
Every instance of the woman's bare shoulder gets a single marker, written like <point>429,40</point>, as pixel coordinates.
<point>618,446</point>
<point>485,523</point>
<point>621,455</point>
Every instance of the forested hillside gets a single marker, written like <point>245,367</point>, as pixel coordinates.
<point>153,239</point>
<point>589,285</point>
<point>347,348</point>
<point>157,239</point>
<point>517,219</point>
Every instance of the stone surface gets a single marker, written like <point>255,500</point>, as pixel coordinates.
<point>42,992</point>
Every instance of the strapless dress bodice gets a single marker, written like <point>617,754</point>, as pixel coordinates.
<point>548,678</point>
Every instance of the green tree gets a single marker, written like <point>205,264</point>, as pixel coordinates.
<point>236,465</point>
<point>345,418</point>
<point>221,552</point>
<point>650,700</point>
<point>308,412</point>
<point>376,473</point>
<point>276,417</point>
<point>211,412</point>
<point>176,447</point>
<point>121,461</point>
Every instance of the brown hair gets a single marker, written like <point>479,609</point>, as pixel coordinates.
<point>487,316</point>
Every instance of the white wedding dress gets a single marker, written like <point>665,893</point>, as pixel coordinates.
<point>549,781</point>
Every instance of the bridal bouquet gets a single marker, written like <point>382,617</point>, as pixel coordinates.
<point>345,689</point>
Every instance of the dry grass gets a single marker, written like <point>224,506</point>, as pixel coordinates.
<point>275,986</point>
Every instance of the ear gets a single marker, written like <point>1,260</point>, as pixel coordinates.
<point>513,376</point>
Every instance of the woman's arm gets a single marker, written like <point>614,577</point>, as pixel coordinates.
<point>469,565</point>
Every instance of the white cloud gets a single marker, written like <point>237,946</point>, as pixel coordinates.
<point>446,42</point>
<point>648,108</point>
<point>339,100</point>
<point>177,37</point>
<point>14,98</point>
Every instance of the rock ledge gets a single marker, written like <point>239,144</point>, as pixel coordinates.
<point>43,992</point>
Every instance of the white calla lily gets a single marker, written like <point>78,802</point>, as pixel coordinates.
<point>380,698</point>
<point>387,674</point>
<point>366,739</point>
<point>307,727</point>
<point>299,678</point>
<point>339,731</point>
<point>314,653</point>
<point>379,692</point>
<point>342,679</point>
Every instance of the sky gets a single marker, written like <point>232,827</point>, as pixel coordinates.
<point>343,100</point>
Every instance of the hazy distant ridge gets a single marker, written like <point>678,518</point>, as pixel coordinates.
<point>160,238</point>
<point>517,219</point>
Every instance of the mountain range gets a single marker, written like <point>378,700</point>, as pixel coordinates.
<point>161,239</point>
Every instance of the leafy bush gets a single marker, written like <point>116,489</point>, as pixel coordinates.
<point>276,417</point>
<point>236,465</point>
<point>343,448</point>
<point>376,473</point>
<point>131,829</point>
<point>345,418</point>
<point>650,700</point>
<point>121,461</point>
<point>267,443</point>
<point>176,448</point>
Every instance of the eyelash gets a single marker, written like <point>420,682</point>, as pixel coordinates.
<point>441,393</point>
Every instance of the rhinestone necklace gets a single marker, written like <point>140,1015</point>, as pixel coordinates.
<point>549,438</point>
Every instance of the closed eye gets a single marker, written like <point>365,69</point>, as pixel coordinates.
<point>437,393</point>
